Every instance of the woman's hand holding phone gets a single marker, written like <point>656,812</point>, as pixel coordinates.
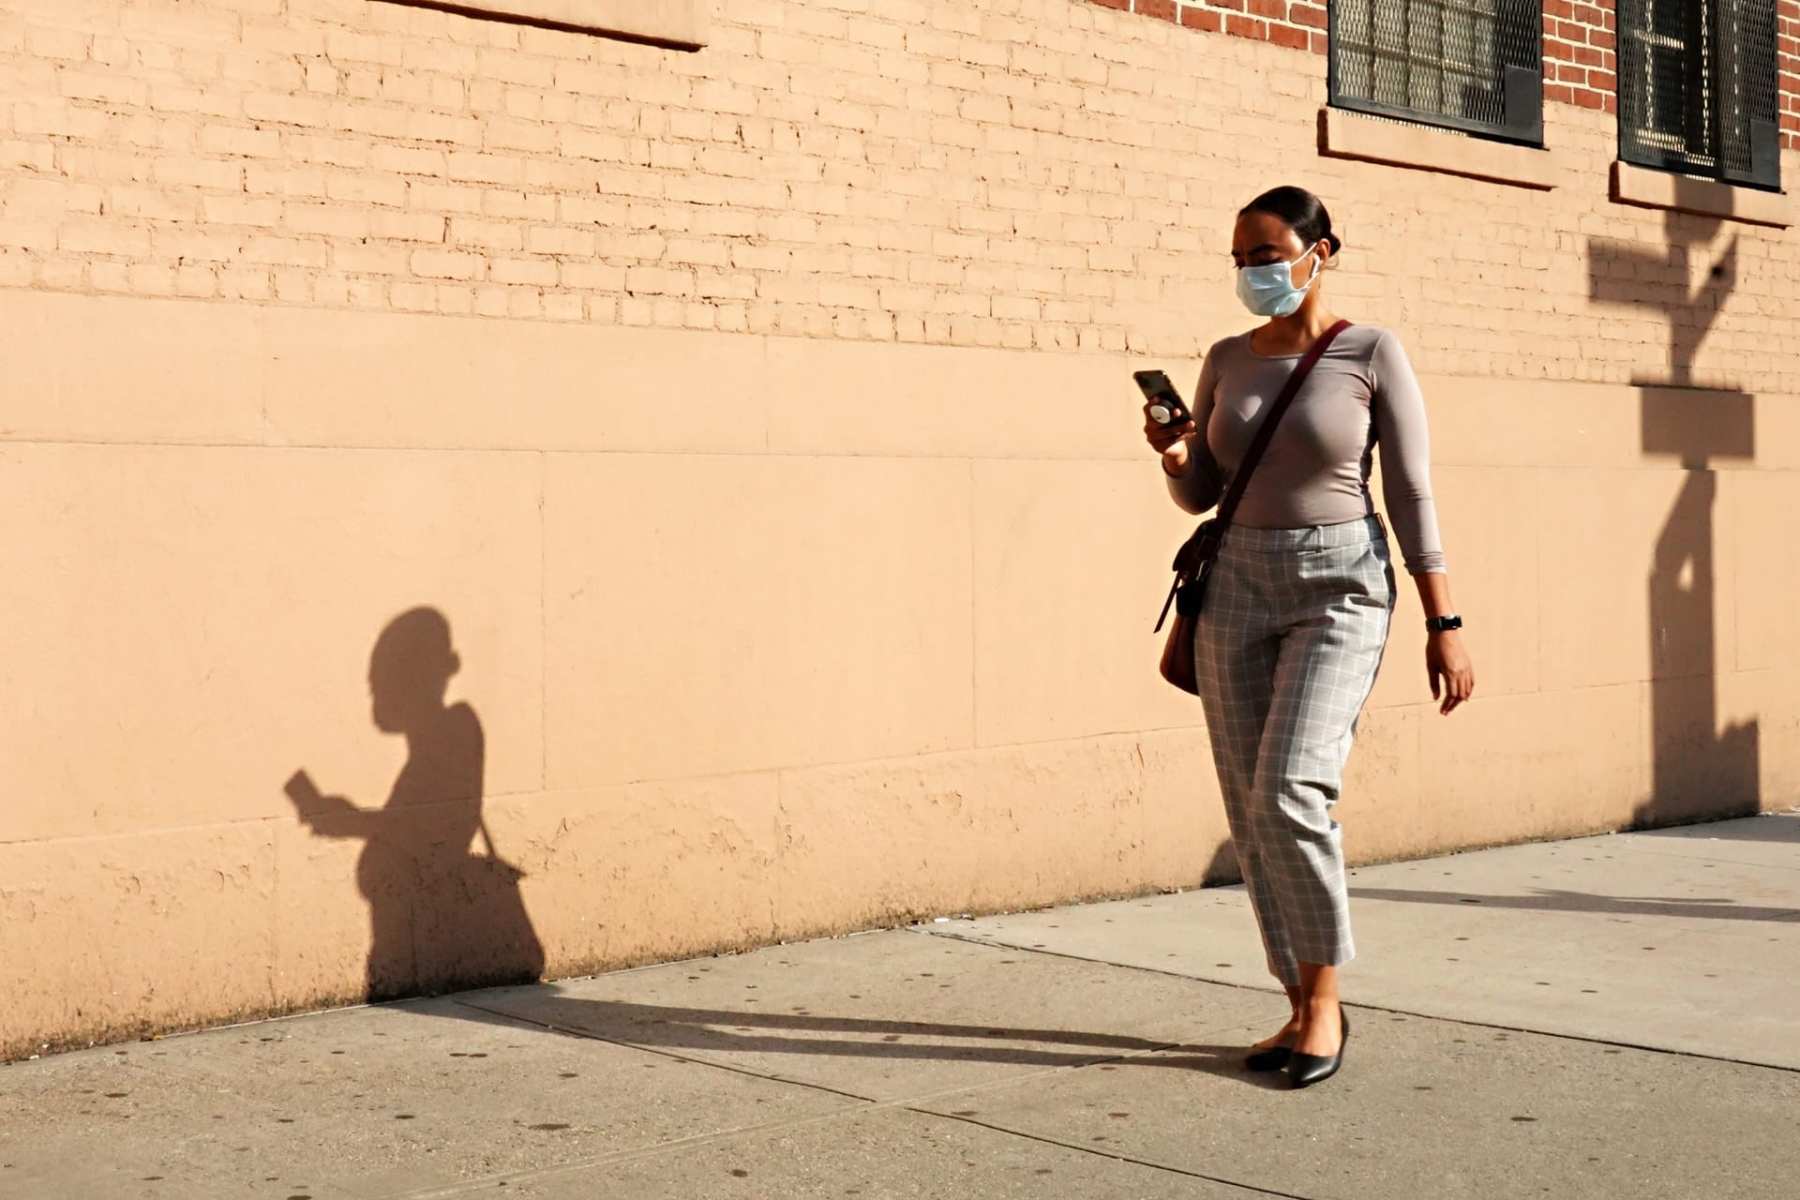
<point>1171,441</point>
<point>1167,437</point>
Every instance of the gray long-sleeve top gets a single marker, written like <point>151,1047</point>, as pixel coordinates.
<point>1361,394</point>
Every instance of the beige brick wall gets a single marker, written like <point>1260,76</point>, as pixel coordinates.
<point>1046,175</point>
<point>759,420</point>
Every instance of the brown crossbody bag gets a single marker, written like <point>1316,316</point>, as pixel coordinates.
<point>1194,561</point>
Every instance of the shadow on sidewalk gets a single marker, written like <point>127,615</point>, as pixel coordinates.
<point>1779,828</point>
<point>1561,900</point>
<point>728,1031</point>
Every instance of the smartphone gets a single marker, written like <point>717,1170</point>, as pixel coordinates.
<point>1166,407</point>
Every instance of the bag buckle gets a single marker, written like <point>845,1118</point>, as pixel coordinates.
<point>1193,561</point>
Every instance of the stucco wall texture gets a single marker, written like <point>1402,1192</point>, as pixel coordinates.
<point>745,439</point>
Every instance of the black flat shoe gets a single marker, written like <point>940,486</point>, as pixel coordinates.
<point>1305,1069</point>
<point>1269,1058</point>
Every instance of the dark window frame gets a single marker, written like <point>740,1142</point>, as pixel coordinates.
<point>1696,112</point>
<point>1518,87</point>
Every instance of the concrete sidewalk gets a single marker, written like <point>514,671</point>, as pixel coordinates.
<point>1604,1017</point>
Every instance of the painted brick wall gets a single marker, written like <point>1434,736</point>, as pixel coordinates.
<point>1030,174</point>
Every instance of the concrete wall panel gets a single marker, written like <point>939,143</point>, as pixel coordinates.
<point>731,613</point>
<point>1072,563</point>
<point>185,627</point>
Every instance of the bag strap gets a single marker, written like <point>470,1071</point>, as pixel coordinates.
<point>1259,443</point>
<point>1266,431</point>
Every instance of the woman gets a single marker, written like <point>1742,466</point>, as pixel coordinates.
<point>1300,599</point>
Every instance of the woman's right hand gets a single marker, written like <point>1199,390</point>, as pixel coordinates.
<point>1171,441</point>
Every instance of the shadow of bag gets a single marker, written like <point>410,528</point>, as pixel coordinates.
<point>500,866</point>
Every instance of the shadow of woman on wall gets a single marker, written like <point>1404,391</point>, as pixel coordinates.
<point>441,915</point>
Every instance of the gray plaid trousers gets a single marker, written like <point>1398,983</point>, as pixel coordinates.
<point>1287,646</point>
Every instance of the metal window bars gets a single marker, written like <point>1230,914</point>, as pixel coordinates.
<point>1470,65</point>
<point>1698,89</point>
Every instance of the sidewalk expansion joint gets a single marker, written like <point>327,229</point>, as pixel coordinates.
<point>1708,858</point>
<point>865,1105</point>
<point>1018,948</point>
<point>1124,1158</point>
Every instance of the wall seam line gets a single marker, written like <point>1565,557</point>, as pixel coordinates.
<point>543,621</point>
<point>974,641</point>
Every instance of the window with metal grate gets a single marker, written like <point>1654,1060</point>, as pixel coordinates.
<point>1471,65</point>
<point>1698,91</point>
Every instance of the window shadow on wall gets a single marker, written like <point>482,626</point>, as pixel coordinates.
<point>476,10</point>
<point>1698,772</point>
<point>441,914</point>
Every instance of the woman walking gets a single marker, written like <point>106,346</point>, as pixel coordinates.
<point>1302,592</point>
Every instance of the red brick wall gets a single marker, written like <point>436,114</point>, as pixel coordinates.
<point>1298,25</point>
<point>1580,49</point>
<point>1788,47</point>
<point>1580,43</point>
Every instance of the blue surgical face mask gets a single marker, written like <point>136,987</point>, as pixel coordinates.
<point>1269,291</point>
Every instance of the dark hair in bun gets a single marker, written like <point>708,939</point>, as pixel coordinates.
<point>1304,213</point>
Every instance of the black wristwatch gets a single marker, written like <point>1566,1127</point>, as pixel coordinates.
<point>1442,624</point>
